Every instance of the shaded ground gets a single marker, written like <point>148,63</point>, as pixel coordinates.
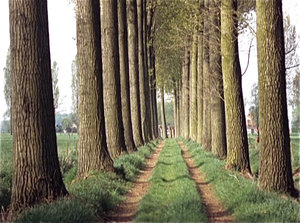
<point>126,211</point>
<point>214,210</point>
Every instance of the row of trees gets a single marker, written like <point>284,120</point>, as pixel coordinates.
<point>115,80</point>
<point>207,82</point>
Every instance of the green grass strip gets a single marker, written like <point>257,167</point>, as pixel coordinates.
<point>90,198</point>
<point>172,196</point>
<point>241,196</point>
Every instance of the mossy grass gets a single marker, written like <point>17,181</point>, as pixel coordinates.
<point>89,198</point>
<point>172,196</point>
<point>241,196</point>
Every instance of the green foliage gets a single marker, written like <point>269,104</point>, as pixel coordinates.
<point>54,71</point>
<point>296,119</point>
<point>74,88</point>
<point>7,80</point>
<point>132,163</point>
<point>172,196</point>
<point>169,112</point>
<point>66,123</point>
<point>64,210</point>
<point>254,109</point>
<point>241,196</point>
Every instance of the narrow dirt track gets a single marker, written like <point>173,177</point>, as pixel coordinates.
<point>126,211</point>
<point>214,210</point>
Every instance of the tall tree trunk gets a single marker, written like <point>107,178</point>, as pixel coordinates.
<point>193,88</point>
<point>218,129</point>
<point>237,143</point>
<point>147,79</point>
<point>186,87</point>
<point>142,70</point>
<point>36,173</point>
<point>134,73</point>
<point>179,101</point>
<point>206,138</point>
<point>111,79</point>
<point>163,114</point>
<point>151,66</point>
<point>200,75</point>
<point>124,73</point>
<point>93,153</point>
<point>175,92</point>
<point>275,172</point>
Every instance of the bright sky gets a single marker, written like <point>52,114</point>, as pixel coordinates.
<point>62,29</point>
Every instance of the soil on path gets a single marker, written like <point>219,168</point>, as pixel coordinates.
<point>214,210</point>
<point>126,211</point>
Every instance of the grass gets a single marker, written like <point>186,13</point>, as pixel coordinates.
<point>241,196</point>
<point>90,198</point>
<point>172,196</point>
<point>254,153</point>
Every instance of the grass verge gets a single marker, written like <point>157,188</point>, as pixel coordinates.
<point>90,198</point>
<point>241,196</point>
<point>172,196</point>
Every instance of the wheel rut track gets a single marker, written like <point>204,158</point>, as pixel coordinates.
<point>126,211</point>
<point>214,210</point>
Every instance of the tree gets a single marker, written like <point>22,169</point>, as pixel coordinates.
<point>124,73</point>
<point>7,88</point>
<point>66,123</point>
<point>218,129</point>
<point>193,87</point>
<point>54,71</point>
<point>200,75</point>
<point>254,108</point>
<point>111,79</point>
<point>134,73</point>
<point>93,152</point>
<point>275,171</point>
<point>141,62</point>
<point>206,138</point>
<point>36,173</point>
<point>295,102</point>
<point>163,115</point>
<point>74,88</point>
<point>237,142</point>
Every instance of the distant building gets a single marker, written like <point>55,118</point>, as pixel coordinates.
<point>251,126</point>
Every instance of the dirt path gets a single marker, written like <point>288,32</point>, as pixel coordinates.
<point>126,211</point>
<point>214,210</point>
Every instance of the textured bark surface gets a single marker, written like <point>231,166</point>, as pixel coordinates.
<point>185,85</point>
<point>193,89</point>
<point>200,76</point>
<point>218,128</point>
<point>141,62</point>
<point>206,136</point>
<point>275,172</point>
<point>92,149</point>
<point>134,73</point>
<point>237,143</point>
<point>147,79</point>
<point>36,173</point>
<point>111,79</point>
<point>124,73</point>
<point>163,115</point>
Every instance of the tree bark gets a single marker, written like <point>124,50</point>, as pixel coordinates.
<point>237,142</point>
<point>163,115</point>
<point>36,173</point>
<point>206,138</point>
<point>200,76</point>
<point>124,73</point>
<point>193,88</point>
<point>275,172</point>
<point>185,83</point>
<point>142,78</point>
<point>92,149</point>
<point>218,129</point>
<point>134,73</point>
<point>111,79</point>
